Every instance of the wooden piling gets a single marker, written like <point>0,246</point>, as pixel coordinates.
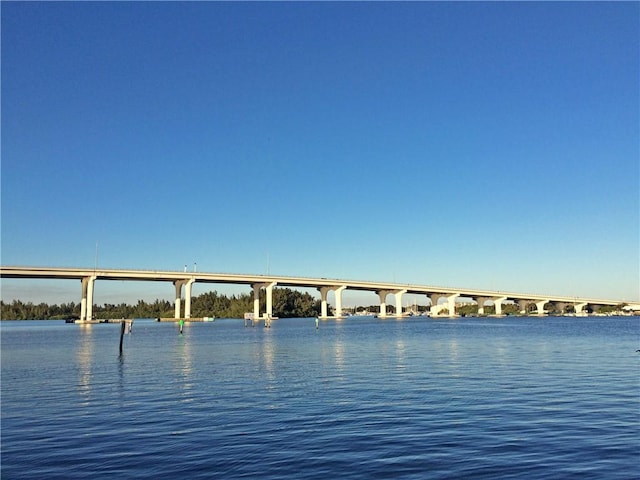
<point>122,328</point>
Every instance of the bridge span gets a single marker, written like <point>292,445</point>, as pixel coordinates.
<point>185,280</point>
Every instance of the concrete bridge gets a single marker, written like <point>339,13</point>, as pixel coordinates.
<point>185,280</point>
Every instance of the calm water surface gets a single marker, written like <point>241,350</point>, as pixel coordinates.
<point>357,398</point>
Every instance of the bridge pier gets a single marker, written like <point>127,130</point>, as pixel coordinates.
<point>382,294</point>
<point>398,294</point>
<point>579,308</point>
<point>561,306</point>
<point>451,300</point>
<point>434,297</point>
<point>178,284</point>
<point>269,291</point>
<point>435,310</point>
<point>86,304</point>
<point>187,298</point>
<point>497,302</point>
<point>338,292</point>
<point>83,298</point>
<point>523,306</point>
<point>383,302</point>
<point>177,304</point>
<point>256,299</point>
<point>323,300</point>
<point>481,301</point>
<point>540,306</point>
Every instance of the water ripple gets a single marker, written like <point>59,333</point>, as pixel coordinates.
<point>369,399</point>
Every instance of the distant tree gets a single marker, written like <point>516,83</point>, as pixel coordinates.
<point>467,309</point>
<point>290,303</point>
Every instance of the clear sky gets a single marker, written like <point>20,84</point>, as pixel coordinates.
<point>480,145</point>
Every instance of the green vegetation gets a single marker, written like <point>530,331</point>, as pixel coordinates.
<point>471,309</point>
<point>286,303</point>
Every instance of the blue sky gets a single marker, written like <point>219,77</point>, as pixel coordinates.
<point>486,145</point>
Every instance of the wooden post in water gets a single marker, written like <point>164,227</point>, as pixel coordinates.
<point>122,328</point>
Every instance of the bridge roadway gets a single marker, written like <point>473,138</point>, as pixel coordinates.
<point>180,280</point>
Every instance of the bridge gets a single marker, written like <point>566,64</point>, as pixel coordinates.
<point>185,280</point>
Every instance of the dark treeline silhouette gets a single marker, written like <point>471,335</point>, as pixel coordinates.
<point>286,303</point>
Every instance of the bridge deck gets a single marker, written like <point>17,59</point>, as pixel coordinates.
<point>252,279</point>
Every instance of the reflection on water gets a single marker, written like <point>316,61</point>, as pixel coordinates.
<point>339,354</point>
<point>268,355</point>
<point>400,355</point>
<point>453,359</point>
<point>183,364</point>
<point>121,378</point>
<point>84,358</point>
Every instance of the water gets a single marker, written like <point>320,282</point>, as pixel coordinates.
<point>357,398</point>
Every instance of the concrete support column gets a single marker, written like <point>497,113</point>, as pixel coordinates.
<point>434,297</point>
<point>398,294</point>
<point>540,306</point>
<point>481,301</point>
<point>451,300</point>
<point>187,298</point>
<point>579,307</point>
<point>269,289</point>
<point>83,299</point>
<point>92,282</point>
<point>498,304</point>
<point>338,292</point>
<point>324,306</point>
<point>523,305</point>
<point>323,301</point>
<point>86,303</point>
<point>256,300</point>
<point>383,302</point>
<point>562,306</point>
<point>178,284</point>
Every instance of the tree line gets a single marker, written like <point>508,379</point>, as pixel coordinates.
<point>286,303</point>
